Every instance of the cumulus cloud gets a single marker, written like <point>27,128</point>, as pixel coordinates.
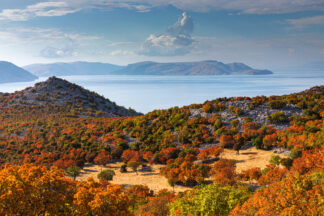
<point>175,41</point>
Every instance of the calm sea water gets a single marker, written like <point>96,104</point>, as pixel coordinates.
<point>146,93</point>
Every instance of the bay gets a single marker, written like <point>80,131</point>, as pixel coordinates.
<point>147,93</point>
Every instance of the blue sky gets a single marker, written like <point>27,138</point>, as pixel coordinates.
<point>270,34</point>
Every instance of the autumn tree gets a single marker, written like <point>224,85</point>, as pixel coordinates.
<point>102,159</point>
<point>294,195</point>
<point>34,190</point>
<point>223,172</point>
<point>92,198</point>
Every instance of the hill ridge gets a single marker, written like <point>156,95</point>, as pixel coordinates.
<point>59,92</point>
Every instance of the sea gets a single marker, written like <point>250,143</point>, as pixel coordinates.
<point>148,93</point>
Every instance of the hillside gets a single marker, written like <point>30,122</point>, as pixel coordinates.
<point>61,93</point>
<point>190,68</point>
<point>260,154</point>
<point>72,68</point>
<point>12,73</point>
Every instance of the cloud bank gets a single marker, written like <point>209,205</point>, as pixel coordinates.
<point>64,7</point>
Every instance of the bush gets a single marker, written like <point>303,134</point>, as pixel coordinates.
<point>123,168</point>
<point>276,104</point>
<point>286,162</point>
<point>207,108</point>
<point>275,159</point>
<point>277,118</point>
<point>106,175</point>
<point>257,142</point>
<point>116,153</point>
<point>295,154</point>
<point>235,122</point>
<point>133,165</point>
<point>218,124</point>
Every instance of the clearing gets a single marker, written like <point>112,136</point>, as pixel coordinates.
<point>247,158</point>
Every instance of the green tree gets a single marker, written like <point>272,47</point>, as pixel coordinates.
<point>73,171</point>
<point>209,200</point>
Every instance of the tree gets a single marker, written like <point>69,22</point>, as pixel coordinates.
<point>106,175</point>
<point>294,195</point>
<point>102,159</point>
<point>226,141</point>
<point>209,200</point>
<point>130,155</point>
<point>34,190</point>
<point>133,165</point>
<point>223,172</point>
<point>92,198</point>
<point>73,171</point>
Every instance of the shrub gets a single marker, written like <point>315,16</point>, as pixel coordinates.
<point>275,159</point>
<point>133,165</point>
<point>277,118</point>
<point>207,108</point>
<point>123,168</point>
<point>106,175</point>
<point>286,162</point>
<point>226,141</point>
<point>257,142</point>
<point>276,104</point>
<point>235,122</point>
<point>295,154</point>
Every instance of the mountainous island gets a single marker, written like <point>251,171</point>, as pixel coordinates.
<point>67,151</point>
<point>144,68</point>
<point>190,68</point>
<point>12,73</point>
<point>73,68</point>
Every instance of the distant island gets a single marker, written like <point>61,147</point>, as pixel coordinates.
<point>12,73</point>
<point>190,68</point>
<point>210,67</point>
<point>72,68</point>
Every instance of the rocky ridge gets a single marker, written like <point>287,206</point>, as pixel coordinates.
<point>59,92</point>
<point>259,114</point>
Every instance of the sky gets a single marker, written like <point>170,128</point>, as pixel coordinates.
<point>265,34</point>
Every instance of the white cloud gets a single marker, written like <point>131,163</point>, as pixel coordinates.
<point>121,53</point>
<point>307,21</point>
<point>44,9</point>
<point>175,41</point>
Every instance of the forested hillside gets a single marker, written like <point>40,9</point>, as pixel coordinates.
<point>46,131</point>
